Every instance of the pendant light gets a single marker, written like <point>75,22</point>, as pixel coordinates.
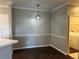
<point>38,16</point>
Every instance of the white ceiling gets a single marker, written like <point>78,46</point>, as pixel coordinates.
<point>31,4</point>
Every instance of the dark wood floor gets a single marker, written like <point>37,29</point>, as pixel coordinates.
<point>39,53</point>
<point>73,50</point>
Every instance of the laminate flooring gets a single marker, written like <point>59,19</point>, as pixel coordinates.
<point>39,53</point>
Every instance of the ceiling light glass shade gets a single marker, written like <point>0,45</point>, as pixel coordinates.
<point>38,17</point>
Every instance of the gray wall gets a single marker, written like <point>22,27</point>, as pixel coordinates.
<point>32,32</point>
<point>28,30</point>
<point>59,29</point>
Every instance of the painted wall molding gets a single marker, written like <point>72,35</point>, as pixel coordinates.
<point>32,47</point>
<point>59,36</point>
<point>41,46</point>
<point>31,35</point>
<point>42,9</point>
<point>60,6</point>
<point>4,6</point>
<point>31,9</point>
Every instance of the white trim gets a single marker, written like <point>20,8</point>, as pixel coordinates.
<point>58,49</point>
<point>41,46</point>
<point>31,47</point>
<point>4,6</point>
<point>60,6</point>
<point>32,9</point>
<point>32,35</point>
<point>43,10</point>
<point>60,36</point>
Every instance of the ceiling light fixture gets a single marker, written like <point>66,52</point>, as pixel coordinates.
<point>38,16</point>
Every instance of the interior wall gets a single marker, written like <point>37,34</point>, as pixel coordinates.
<point>74,26</point>
<point>59,29</point>
<point>29,31</point>
<point>5,28</point>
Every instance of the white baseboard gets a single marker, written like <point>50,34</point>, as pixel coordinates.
<point>41,46</point>
<point>31,47</point>
<point>58,49</point>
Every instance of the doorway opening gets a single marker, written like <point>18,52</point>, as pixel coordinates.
<point>73,31</point>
